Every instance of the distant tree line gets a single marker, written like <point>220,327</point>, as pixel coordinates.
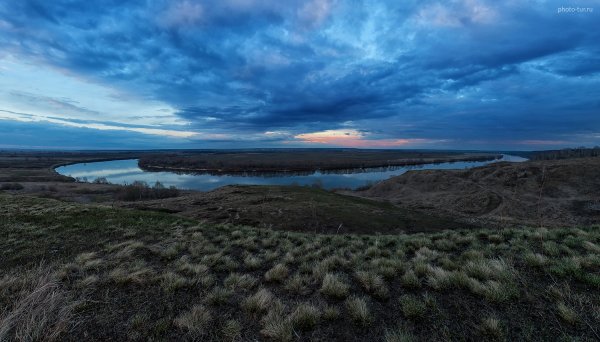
<point>139,190</point>
<point>580,152</point>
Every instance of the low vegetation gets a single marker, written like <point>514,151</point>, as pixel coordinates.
<point>566,153</point>
<point>121,274</point>
<point>11,186</point>
<point>139,190</point>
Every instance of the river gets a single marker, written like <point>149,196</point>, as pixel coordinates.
<point>127,171</point>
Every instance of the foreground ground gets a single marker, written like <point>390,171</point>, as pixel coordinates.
<point>88,272</point>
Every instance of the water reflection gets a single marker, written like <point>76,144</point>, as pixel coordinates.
<point>127,171</point>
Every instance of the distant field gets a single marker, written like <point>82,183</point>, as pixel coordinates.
<point>298,160</point>
<point>73,272</point>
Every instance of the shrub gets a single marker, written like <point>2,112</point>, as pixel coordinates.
<point>139,190</point>
<point>101,180</point>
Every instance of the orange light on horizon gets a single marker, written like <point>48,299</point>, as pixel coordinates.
<point>352,138</point>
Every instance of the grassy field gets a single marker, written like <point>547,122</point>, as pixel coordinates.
<point>299,208</point>
<point>75,272</point>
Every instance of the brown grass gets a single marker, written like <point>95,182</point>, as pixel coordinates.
<point>43,310</point>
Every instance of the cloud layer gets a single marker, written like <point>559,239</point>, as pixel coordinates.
<point>460,74</point>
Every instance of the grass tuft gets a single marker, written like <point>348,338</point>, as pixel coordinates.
<point>258,302</point>
<point>231,330</point>
<point>491,327</point>
<point>410,280</point>
<point>412,307</point>
<point>398,335</point>
<point>567,314</point>
<point>196,321</point>
<point>277,274</point>
<point>305,316</point>
<point>358,309</point>
<point>372,283</point>
<point>334,287</point>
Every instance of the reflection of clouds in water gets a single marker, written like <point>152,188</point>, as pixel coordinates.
<point>106,173</point>
<point>127,171</point>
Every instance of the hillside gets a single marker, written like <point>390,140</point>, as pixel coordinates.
<point>538,193</point>
<point>73,272</point>
<point>298,208</point>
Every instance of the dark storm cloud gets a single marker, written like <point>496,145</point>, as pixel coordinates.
<point>416,69</point>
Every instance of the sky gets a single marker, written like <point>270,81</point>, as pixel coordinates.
<point>145,74</point>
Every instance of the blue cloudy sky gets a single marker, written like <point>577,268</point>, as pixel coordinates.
<point>247,73</point>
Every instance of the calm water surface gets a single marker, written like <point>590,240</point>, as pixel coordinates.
<point>127,171</point>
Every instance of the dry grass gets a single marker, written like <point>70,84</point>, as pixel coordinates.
<point>412,307</point>
<point>150,269</point>
<point>278,273</point>
<point>567,314</point>
<point>259,302</point>
<point>195,322</point>
<point>398,335</point>
<point>232,330</point>
<point>372,283</point>
<point>358,309</point>
<point>43,311</point>
<point>305,316</point>
<point>334,287</point>
<point>491,327</point>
